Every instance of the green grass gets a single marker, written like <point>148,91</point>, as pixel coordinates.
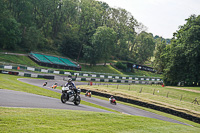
<point>147,74</point>
<point>50,120</point>
<point>155,111</point>
<point>159,97</point>
<point>17,120</point>
<point>11,83</point>
<point>100,69</point>
<point>190,88</point>
<point>17,59</point>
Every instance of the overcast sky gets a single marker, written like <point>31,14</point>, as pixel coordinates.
<point>161,17</point>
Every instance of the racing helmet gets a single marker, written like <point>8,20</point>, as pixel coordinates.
<point>69,80</point>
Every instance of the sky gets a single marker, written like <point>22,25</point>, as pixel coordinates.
<point>161,17</point>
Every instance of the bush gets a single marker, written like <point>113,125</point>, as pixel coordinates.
<point>119,65</point>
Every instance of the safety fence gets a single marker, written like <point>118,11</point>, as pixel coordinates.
<point>102,77</point>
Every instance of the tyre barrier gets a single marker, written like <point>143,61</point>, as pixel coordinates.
<point>27,74</point>
<point>116,81</point>
<point>9,72</point>
<point>148,105</point>
<point>84,74</point>
<point>36,75</point>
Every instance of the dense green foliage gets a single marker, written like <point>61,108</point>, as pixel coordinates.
<point>180,60</point>
<point>120,65</point>
<point>86,29</point>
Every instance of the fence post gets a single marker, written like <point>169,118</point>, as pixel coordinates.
<point>181,97</point>
<point>117,86</point>
<point>140,90</point>
<point>167,94</point>
<point>107,85</point>
<point>153,91</point>
<point>129,87</point>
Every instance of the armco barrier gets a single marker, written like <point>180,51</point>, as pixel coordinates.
<point>148,105</point>
<point>48,77</point>
<point>116,81</point>
<point>9,72</point>
<point>27,74</point>
<point>84,74</point>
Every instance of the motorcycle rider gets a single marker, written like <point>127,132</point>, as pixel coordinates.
<point>45,83</point>
<point>70,83</point>
<point>111,98</point>
<point>54,85</point>
<point>88,92</point>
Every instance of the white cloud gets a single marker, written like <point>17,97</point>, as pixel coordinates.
<point>162,17</point>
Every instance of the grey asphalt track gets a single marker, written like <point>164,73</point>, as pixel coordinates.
<point>55,103</point>
<point>10,98</point>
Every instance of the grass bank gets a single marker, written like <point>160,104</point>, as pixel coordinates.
<point>51,120</point>
<point>156,112</point>
<point>100,69</point>
<point>154,94</point>
<point>17,59</point>
<point>25,60</point>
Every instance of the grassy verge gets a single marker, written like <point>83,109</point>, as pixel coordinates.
<point>17,59</point>
<point>155,111</point>
<point>11,83</point>
<point>100,69</point>
<point>159,97</point>
<point>50,120</point>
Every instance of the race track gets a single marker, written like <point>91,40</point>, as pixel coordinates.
<point>10,98</point>
<point>22,99</point>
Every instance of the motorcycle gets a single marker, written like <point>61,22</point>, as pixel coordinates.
<point>68,94</point>
<point>88,94</point>
<point>45,84</point>
<point>113,101</point>
<point>54,86</point>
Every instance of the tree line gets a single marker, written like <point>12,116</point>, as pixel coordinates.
<point>86,29</point>
<point>93,31</point>
<point>180,61</point>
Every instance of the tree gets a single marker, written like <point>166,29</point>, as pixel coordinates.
<point>70,45</point>
<point>32,39</point>
<point>9,32</point>
<point>184,54</point>
<point>159,62</point>
<point>102,44</point>
<point>144,47</point>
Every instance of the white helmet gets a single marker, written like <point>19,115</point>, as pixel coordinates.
<point>69,80</point>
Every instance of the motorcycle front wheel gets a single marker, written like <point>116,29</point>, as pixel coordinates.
<point>78,100</point>
<point>63,99</point>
